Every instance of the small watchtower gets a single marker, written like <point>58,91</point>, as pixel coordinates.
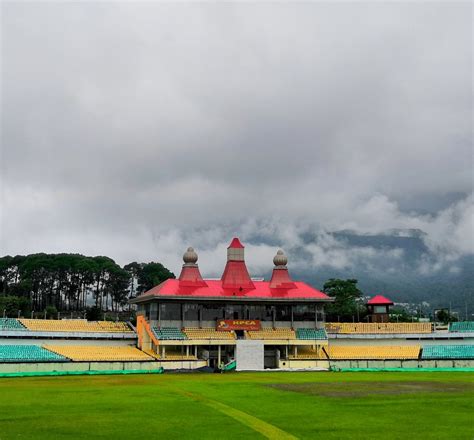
<point>378,308</point>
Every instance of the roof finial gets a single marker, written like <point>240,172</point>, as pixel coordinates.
<point>190,256</point>
<point>280,259</point>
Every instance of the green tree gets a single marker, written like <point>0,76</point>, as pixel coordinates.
<point>445,317</point>
<point>400,314</point>
<point>345,293</point>
<point>152,274</point>
<point>10,305</point>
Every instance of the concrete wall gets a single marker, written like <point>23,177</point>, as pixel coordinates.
<point>300,364</point>
<point>76,366</point>
<point>97,366</point>
<point>249,355</point>
<point>453,363</point>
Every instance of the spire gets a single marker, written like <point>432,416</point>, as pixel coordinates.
<point>236,275</point>
<point>280,276</point>
<point>190,275</point>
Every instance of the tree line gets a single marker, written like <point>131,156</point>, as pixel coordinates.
<point>73,282</point>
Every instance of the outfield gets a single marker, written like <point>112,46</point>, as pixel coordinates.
<point>399,405</point>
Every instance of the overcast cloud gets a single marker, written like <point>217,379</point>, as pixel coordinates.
<point>136,129</point>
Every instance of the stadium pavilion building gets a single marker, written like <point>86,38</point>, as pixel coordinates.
<point>236,318</point>
<point>235,322</point>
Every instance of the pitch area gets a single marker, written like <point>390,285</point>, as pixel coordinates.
<point>389,405</point>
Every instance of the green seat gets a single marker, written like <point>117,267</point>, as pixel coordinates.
<point>11,324</point>
<point>464,326</point>
<point>448,352</point>
<point>168,333</point>
<point>28,353</point>
<point>311,334</point>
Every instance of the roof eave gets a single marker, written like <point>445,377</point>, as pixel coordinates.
<point>236,298</point>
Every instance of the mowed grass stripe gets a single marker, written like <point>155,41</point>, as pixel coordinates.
<point>266,429</point>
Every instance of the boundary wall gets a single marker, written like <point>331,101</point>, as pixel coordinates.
<point>50,367</point>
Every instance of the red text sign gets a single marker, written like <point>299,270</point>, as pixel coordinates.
<point>238,324</point>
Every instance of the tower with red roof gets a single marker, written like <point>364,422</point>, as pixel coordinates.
<point>378,309</point>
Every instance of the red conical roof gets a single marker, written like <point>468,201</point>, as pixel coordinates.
<point>236,276</point>
<point>235,243</point>
<point>380,300</point>
<point>191,276</point>
<point>281,279</point>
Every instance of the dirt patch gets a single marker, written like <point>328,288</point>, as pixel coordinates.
<point>360,389</point>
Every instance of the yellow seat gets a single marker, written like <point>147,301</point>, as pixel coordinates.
<point>308,353</point>
<point>99,352</point>
<point>377,328</point>
<point>208,333</point>
<point>271,333</point>
<point>75,325</point>
<point>373,351</point>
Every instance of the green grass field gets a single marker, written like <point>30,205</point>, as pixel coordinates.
<point>375,405</point>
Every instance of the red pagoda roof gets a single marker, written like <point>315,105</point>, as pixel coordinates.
<point>214,290</point>
<point>235,281</point>
<point>380,300</point>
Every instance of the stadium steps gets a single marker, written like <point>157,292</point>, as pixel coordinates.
<point>99,353</point>
<point>304,353</point>
<point>75,325</point>
<point>28,353</point>
<point>400,352</point>
<point>271,334</point>
<point>168,333</point>
<point>464,326</point>
<point>208,333</point>
<point>11,324</point>
<point>311,334</point>
<point>378,328</point>
<point>448,352</point>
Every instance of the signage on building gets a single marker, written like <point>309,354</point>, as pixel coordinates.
<point>238,324</point>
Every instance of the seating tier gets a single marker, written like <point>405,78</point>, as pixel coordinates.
<point>99,353</point>
<point>311,333</point>
<point>271,333</point>
<point>207,333</point>
<point>28,353</point>
<point>448,352</point>
<point>75,325</point>
<point>373,351</point>
<point>308,353</point>
<point>464,326</point>
<point>168,333</point>
<point>11,324</point>
<point>375,328</point>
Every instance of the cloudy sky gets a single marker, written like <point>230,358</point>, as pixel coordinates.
<point>136,129</point>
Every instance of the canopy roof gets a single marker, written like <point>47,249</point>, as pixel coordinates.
<point>380,300</point>
<point>213,289</point>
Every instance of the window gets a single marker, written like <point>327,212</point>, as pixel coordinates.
<point>171,312</point>
<point>191,312</point>
<point>283,313</point>
<point>235,311</point>
<point>212,312</point>
<point>257,312</point>
<point>303,312</point>
<point>154,311</point>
